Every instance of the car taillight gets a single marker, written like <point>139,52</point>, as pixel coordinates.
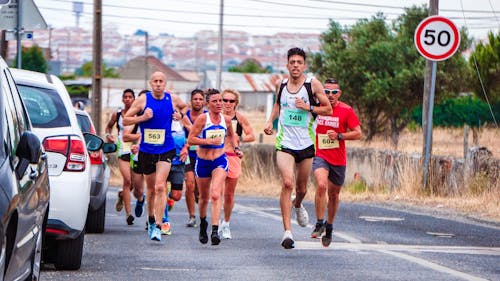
<point>70,146</point>
<point>96,157</point>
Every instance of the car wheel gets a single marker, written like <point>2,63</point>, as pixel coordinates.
<point>69,253</point>
<point>96,219</point>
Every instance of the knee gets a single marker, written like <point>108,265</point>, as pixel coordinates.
<point>287,185</point>
<point>176,195</point>
<point>321,188</point>
<point>160,187</point>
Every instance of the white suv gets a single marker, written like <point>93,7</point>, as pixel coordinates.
<point>54,122</point>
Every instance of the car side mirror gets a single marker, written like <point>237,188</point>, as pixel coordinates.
<point>29,151</point>
<point>109,147</point>
<point>93,142</point>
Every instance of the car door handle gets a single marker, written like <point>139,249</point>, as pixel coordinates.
<point>33,174</point>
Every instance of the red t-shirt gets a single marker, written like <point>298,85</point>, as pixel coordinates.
<point>332,151</point>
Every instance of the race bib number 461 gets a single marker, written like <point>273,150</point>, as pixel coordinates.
<point>324,142</point>
<point>214,134</point>
<point>154,136</point>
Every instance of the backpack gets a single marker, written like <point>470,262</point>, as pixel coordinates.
<point>307,84</point>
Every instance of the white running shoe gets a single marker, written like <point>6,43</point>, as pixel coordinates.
<point>302,216</point>
<point>225,230</point>
<point>287,240</point>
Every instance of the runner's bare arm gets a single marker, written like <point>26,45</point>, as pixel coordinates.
<point>248,135</point>
<point>137,106</point>
<point>325,108</point>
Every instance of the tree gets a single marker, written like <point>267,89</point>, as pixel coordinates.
<point>33,59</point>
<point>87,69</point>
<point>381,72</point>
<point>487,59</point>
<point>249,66</point>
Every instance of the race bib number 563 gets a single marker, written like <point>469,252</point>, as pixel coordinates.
<point>154,136</point>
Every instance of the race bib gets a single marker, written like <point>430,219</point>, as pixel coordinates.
<point>324,142</point>
<point>154,136</point>
<point>295,117</point>
<point>217,133</point>
<point>126,147</point>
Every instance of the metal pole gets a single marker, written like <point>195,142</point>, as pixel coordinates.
<point>97,66</point>
<point>426,110</point>
<point>219,47</point>
<point>146,45</point>
<point>19,33</point>
<point>429,124</point>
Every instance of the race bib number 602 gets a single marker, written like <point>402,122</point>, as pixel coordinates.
<point>154,136</point>
<point>324,142</point>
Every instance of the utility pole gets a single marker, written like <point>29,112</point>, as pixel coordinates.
<point>219,45</point>
<point>146,47</point>
<point>19,33</point>
<point>428,102</point>
<point>97,66</point>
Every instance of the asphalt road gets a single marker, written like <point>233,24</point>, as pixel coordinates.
<point>370,243</point>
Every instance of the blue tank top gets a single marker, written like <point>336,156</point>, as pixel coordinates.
<point>211,130</point>
<point>156,136</point>
<point>192,148</point>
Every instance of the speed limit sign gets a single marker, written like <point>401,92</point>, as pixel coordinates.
<point>437,38</point>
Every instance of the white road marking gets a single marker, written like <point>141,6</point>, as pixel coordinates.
<point>369,218</point>
<point>167,269</point>
<point>393,250</point>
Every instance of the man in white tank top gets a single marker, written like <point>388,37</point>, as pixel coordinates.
<point>296,137</point>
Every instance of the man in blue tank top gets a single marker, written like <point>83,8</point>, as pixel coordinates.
<point>157,147</point>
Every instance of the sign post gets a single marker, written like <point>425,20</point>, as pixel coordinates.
<point>436,38</point>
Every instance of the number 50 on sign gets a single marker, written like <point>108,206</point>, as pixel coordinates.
<point>437,38</point>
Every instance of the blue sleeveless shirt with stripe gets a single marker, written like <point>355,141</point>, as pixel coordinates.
<point>156,135</point>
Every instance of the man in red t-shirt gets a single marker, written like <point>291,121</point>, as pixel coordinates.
<point>329,164</point>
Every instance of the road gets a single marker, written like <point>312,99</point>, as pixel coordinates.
<point>370,243</point>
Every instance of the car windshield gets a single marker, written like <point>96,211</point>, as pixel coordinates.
<point>84,123</point>
<point>45,107</point>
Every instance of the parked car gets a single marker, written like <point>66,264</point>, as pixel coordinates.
<point>100,177</point>
<point>24,187</point>
<point>54,122</point>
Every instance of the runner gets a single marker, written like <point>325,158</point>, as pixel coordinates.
<point>128,98</point>
<point>244,131</point>
<point>329,164</point>
<point>210,131</point>
<point>295,106</point>
<point>157,148</point>
<point>191,194</point>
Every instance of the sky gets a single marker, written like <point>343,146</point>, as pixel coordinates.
<point>183,18</point>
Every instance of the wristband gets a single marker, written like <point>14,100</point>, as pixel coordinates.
<point>237,148</point>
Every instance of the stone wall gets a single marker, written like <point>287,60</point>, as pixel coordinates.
<point>392,170</point>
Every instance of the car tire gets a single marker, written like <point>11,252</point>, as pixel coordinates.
<point>96,219</point>
<point>69,253</point>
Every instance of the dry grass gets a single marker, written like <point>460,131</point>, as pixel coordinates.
<point>259,179</point>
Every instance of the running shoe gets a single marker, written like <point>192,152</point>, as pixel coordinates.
<point>119,202</point>
<point>170,203</point>
<point>224,230</point>
<point>155,234</point>
<point>139,206</point>
<point>318,230</point>
<point>203,232</point>
<point>302,216</point>
<point>165,229</point>
<point>326,239</point>
<point>287,241</point>
<point>215,238</point>
<point>191,222</point>
<point>150,227</point>
<point>130,220</point>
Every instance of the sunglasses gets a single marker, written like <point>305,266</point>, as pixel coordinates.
<point>335,91</point>
<point>231,101</point>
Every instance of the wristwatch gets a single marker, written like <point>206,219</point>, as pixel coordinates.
<point>339,136</point>
<point>311,108</point>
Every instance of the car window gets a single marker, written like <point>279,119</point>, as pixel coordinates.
<point>84,123</point>
<point>13,135</point>
<point>22,116</point>
<point>45,107</point>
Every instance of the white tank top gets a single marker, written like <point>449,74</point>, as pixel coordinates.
<point>295,126</point>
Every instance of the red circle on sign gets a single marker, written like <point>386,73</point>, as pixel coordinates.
<point>436,57</point>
